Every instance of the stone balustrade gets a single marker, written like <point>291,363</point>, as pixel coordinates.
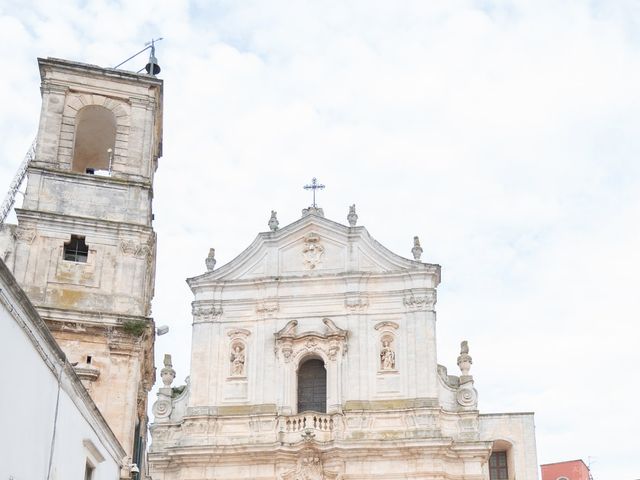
<point>320,426</point>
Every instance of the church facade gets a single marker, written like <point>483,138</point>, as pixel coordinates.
<point>314,357</point>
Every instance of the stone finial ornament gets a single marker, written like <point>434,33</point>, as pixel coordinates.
<point>464,359</point>
<point>352,218</point>
<point>417,249</point>
<point>273,221</point>
<point>168,374</point>
<point>210,261</point>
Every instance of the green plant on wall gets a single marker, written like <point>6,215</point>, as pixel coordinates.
<point>134,327</point>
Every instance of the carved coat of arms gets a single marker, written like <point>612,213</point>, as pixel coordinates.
<point>312,251</point>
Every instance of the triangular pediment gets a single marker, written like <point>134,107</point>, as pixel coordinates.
<point>311,246</point>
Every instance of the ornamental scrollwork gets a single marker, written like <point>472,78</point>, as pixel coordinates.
<point>290,343</point>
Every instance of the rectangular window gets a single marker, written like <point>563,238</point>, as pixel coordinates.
<point>75,250</point>
<point>498,466</point>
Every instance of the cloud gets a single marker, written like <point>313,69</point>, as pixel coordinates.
<point>504,133</point>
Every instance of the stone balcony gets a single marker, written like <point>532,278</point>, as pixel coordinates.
<point>321,427</point>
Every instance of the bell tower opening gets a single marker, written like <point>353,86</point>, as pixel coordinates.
<point>95,139</point>
<point>312,386</point>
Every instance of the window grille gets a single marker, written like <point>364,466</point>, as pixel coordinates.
<point>75,250</point>
<point>498,466</point>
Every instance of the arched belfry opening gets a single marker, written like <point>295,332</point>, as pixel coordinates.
<point>312,386</point>
<point>95,139</point>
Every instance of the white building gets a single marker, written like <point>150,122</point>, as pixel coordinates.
<point>314,357</point>
<point>51,429</point>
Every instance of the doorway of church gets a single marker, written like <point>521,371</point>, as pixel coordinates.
<point>312,386</point>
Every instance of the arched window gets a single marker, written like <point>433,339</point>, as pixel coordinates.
<point>312,386</point>
<point>95,139</point>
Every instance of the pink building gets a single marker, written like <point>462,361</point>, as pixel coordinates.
<point>571,470</point>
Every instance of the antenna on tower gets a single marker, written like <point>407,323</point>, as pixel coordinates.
<point>152,66</point>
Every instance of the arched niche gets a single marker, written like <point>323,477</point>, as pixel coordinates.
<point>95,139</point>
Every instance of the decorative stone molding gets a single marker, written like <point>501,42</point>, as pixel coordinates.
<point>238,333</point>
<point>291,344</point>
<point>205,312</point>
<point>312,251</point>
<point>386,325</point>
<point>25,235</point>
<point>356,304</point>
<point>310,466</point>
<point>87,374</point>
<point>420,303</point>
<point>138,250</point>
<point>161,409</point>
<point>267,308</point>
<point>467,396</point>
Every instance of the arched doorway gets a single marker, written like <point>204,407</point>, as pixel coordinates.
<point>312,386</point>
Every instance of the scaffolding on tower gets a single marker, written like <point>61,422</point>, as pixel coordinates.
<point>10,198</point>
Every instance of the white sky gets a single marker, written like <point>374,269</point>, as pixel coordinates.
<point>504,133</point>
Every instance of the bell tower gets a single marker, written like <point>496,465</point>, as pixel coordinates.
<point>85,248</point>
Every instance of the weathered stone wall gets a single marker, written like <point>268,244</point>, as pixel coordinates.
<point>99,308</point>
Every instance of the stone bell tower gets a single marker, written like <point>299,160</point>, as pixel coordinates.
<point>85,249</point>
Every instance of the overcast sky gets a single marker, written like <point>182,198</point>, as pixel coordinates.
<point>504,133</point>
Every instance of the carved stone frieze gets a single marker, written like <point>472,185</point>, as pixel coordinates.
<point>205,312</point>
<point>290,343</point>
<point>134,249</point>
<point>356,304</point>
<point>267,308</point>
<point>310,466</point>
<point>415,303</point>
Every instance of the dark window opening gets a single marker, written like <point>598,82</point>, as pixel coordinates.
<point>88,359</point>
<point>498,466</point>
<point>75,250</point>
<point>312,386</point>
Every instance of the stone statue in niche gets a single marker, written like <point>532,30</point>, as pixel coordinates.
<point>237,360</point>
<point>387,355</point>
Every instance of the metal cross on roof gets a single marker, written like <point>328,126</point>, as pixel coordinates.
<point>314,186</point>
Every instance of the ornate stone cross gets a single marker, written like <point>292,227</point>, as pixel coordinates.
<point>314,186</point>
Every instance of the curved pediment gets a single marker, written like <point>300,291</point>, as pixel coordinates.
<point>312,246</point>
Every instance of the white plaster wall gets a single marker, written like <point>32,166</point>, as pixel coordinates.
<point>27,412</point>
<point>518,430</point>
